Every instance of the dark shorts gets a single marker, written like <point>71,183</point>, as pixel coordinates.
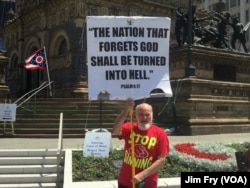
<point>121,186</point>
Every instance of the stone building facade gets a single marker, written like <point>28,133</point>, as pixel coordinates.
<point>60,27</point>
<point>211,95</point>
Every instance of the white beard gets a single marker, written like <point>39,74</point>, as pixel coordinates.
<point>143,126</point>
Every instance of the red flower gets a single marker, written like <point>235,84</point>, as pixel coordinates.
<point>188,148</point>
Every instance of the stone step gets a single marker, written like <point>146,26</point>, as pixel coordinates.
<point>40,135</point>
<point>41,117</point>
<point>67,115</point>
<point>27,169</point>
<point>30,168</point>
<point>49,131</point>
<point>27,160</point>
<point>29,185</point>
<point>49,109</point>
<point>28,153</point>
<point>65,120</point>
<point>28,178</point>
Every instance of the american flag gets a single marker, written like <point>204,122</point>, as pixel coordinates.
<point>37,60</point>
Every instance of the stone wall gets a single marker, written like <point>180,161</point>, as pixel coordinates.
<point>201,104</point>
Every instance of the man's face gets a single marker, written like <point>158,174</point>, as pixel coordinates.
<point>144,117</point>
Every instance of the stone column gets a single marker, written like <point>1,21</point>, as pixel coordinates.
<point>4,90</point>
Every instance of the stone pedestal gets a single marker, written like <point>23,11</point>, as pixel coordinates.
<point>215,100</point>
<point>211,107</point>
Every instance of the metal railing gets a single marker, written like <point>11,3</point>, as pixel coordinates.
<point>60,133</point>
<point>19,102</point>
<point>32,93</point>
<point>59,149</point>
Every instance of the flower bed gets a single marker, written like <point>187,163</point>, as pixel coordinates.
<point>205,156</point>
<point>183,157</point>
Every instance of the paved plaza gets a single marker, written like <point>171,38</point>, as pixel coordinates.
<point>77,143</point>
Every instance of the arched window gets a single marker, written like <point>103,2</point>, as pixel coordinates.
<point>62,47</point>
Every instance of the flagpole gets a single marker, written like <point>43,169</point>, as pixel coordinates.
<point>50,92</point>
<point>132,145</point>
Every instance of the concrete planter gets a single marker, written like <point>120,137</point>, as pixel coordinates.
<point>68,183</point>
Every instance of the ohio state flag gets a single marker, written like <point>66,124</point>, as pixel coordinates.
<point>37,60</point>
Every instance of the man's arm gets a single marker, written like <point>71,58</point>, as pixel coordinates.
<point>155,167</point>
<point>122,117</point>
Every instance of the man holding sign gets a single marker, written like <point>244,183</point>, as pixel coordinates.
<point>129,58</point>
<point>147,146</point>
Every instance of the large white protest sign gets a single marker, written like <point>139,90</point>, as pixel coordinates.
<point>128,56</point>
